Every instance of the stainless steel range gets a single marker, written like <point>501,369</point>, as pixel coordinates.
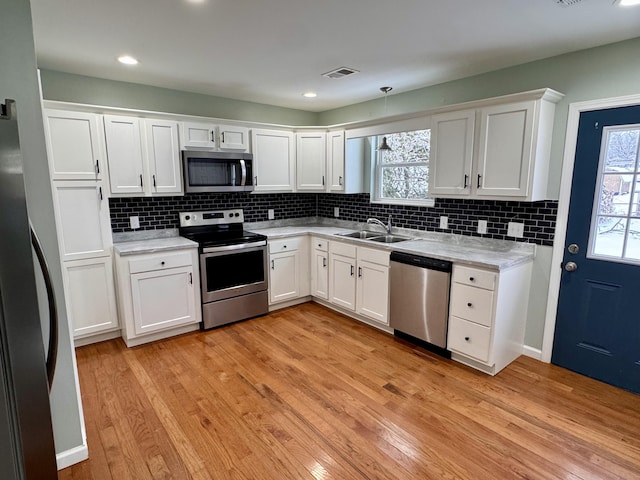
<point>233,266</point>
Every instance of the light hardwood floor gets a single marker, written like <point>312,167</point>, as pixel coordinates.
<point>307,393</point>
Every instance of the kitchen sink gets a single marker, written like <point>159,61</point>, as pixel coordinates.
<point>389,239</point>
<point>374,236</point>
<point>362,234</point>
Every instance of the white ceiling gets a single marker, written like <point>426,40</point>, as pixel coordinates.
<point>271,51</point>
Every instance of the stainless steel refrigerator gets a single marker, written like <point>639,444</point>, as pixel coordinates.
<point>26,370</point>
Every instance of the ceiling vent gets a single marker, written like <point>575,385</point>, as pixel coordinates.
<point>340,72</point>
<point>567,3</point>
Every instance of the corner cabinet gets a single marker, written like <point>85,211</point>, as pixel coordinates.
<point>158,294</point>
<point>498,152</point>
<point>311,161</point>
<point>487,316</point>
<point>274,160</point>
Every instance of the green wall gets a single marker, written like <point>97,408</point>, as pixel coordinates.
<point>609,71</point>
<point>67,87</point>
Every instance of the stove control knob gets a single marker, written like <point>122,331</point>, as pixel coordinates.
<point>187,217</point>
<point>230,215</point>
<point>237,214</point>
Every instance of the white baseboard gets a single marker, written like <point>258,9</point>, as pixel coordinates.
<point>532,352</point>
<point>72,456</point>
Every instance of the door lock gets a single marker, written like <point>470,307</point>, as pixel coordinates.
<point>571,266</point>
<point>573,248</point>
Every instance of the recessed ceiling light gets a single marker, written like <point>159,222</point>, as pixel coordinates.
<point>310,94</point>
<point>196,1</point>
<point>127,60</point>
<point>629,3</point>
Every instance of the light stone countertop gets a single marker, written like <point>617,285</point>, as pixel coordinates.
<point>473,251</point>
<point>153,245</point>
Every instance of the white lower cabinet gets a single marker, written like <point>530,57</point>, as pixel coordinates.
<point>288,269</point>
<point>158,294</point>
<point>320,268</point>
<point>359,280</point>
<point>487,316</point>
<point>90,296</point>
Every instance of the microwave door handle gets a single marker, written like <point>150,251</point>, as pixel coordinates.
<point>233,175</point>
<point>243,167</point>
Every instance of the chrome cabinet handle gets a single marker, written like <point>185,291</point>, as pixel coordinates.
<point>359,272</point>
<point>191,278</point>
<point>352,270</point>
<point>339,180</point>
<point>222,137</point>
<point>324,261</point>
<point>466,180</point>
<point>100,192</point>
<point>213,140</point>
<point>479,183</point>
<point>323,180</point>
<point>273,265</point>
<point>154,181</point>
<point>97,166</point>
<point>141,184</point>
<point>255,183</point>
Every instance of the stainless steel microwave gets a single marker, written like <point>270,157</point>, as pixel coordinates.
<point>217,171</point>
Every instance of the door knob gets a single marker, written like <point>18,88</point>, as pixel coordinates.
<point>573,248</point>
<point>571,266</point>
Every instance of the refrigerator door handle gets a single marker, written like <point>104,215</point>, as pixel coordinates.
<point>52,350</point>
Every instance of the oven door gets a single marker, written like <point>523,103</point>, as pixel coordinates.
<point>233,270</point>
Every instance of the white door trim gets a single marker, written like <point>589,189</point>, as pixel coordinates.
<point>575,109</point>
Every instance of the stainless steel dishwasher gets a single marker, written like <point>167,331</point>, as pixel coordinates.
<point>419,299</point>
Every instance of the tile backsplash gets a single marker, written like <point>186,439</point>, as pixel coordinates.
<point>162,212</point>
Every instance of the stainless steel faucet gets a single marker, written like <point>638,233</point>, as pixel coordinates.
<point>375,221</point>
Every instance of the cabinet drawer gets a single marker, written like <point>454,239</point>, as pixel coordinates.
<point>475,277</point>
<point>160,262</point>
<point>285,244</point>
<point>344,249</point>
<point>469,338</point>
<point>471,303</point>
<point>320,244</point>
<point>381,257</point>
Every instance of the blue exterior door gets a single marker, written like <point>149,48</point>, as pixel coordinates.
<point>598,323</point>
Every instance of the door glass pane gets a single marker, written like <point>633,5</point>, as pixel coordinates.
<point>633,240</point>
<point>609,239</point>
<point>615,228</point>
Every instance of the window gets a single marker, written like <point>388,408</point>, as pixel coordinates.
<point>402,173</point>
<point>615,227</point>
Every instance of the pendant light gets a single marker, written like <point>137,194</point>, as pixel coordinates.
<point>384,146</point>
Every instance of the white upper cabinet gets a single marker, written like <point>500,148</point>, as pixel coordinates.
<point>83,221</point>
<point>311,159</point>
<point>144,156</point>
<point>452,146</point>
<point>163,157</point>
<point>73,145</point>
<point>233,138</point>
<point>507,158</point>
<point>198,135</point>
<point>124,151</point>
<point>335,161</point>
<point>274,160</point>
<point>505,150</point>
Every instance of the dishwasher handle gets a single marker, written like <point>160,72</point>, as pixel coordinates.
<point>422,262</point>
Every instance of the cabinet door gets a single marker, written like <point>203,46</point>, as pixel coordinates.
<point>198,135</point>
<point>320,274</point>
<point>504,156</point>
<point>451,153</point>
<point>335,161</point>
<point>124,151</point>
<point>73,145</point>
<point>82,219</point>
<point>284,276</point>
<point>90,295</point>
<point>311,160</point>
<point>163,156</point>
<point>273,160</point>
<point>342,281</point>
<point>163,299</point>
<point>233,138</point>
<point>373,291</point>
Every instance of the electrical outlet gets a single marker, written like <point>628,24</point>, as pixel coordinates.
<point>134,222</point>
<point>271,214</point>
<point>336,212</point>
<point>515,229</point>
<point>482,226</point>
<point>444,222</point>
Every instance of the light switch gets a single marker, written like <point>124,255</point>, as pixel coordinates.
<point>444,222</point>
<point>515,229</point>
<point>134,222</point>
<point>336,212</point>
<point>271,214</point>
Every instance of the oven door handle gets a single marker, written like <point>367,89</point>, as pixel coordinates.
<point>227,248</point>
<point>243,167</point>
